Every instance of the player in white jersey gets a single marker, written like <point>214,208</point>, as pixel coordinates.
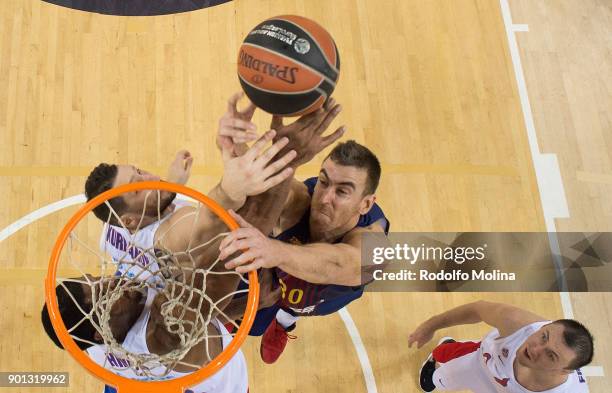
<point>123,246</point>
<point>232,378</point>
<point>524,353</point>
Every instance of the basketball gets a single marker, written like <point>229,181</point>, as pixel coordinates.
<point>288,65</point>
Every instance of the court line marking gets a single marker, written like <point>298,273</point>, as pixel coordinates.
<point>520,27</point>
<point>548,174</point>
<point>40,213</point>
<point>362,353</point>
<point>353,332</point>
<point>592,371</point>
<point>312,169</point>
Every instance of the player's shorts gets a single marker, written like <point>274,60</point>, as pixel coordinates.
<point>265,316</point>
<point>460,368</point>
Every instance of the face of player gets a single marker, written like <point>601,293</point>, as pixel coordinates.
<point>136,200</point>
<point>338,199</point>
<point>124,312</point>
<point>546,350</point>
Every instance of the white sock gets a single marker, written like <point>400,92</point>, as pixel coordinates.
<point>285,319</point>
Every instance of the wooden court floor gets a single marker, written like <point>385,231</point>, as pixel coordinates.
<point>430,86</point>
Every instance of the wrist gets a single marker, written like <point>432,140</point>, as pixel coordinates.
<point>433,323</point>
<point>283,254</point>
<point>235,198</point>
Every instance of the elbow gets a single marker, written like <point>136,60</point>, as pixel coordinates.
<point>481,308</point>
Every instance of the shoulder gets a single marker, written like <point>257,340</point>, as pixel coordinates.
<point>310,184</point>
<point>375,216</point>
<point>354,236</point>
<point>576,383</point>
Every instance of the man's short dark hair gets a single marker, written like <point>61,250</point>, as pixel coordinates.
<point>351,153</point>
<point>578,338</point>
<point>71,315</point>
<point>101,179</point>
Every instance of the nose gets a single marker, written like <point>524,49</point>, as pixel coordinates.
<point>536,349</point>
<point>328,196</point>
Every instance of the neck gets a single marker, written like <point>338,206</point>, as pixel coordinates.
<point>322,235</point>
<point>148,220</point>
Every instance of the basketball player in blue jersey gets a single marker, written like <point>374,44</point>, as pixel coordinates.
<point>315,248</point>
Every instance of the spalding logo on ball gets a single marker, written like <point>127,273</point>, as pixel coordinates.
<point>288,65</point>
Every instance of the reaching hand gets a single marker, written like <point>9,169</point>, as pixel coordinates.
<point>180,168</point>
<point>306,133</point>
<point>235,127</point>
<point>422,335</point>
<point>253,173</point>
<point>259,250</point>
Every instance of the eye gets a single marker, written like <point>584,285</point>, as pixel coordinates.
<point>342,191</point>
<point>323,182</point>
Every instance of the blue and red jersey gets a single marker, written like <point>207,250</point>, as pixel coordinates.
<point>304,298</point>
<point>301,298</point>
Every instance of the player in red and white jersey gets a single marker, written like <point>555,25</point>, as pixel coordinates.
<point>524,353</point>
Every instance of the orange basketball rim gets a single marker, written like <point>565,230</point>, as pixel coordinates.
<point>122,384</point>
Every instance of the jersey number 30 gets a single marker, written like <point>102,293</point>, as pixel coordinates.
<point>294,296</point>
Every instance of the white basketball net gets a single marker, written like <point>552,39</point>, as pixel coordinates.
<point>163,273</point>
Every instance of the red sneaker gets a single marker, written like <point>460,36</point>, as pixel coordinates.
<point>274,341</point>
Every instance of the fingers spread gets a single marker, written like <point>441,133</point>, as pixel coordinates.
<point>328,118</point>
<point>277,179</point>
<point>279,164</point>
<point>272,151</point>
<point>328,140</point>
<point>260,145</point>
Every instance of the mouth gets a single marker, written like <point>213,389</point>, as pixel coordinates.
<point>323,212</point>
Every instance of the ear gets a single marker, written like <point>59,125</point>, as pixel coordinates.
<point>98,337</point>
<point>366,204</point>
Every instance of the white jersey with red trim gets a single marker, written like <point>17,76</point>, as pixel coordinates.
<point>497,358</point>
<point>232,378</point>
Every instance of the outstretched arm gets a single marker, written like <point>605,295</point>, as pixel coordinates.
<point>246,175</point>
<point>319,263</point>
<point>506,318</point>
<point>305,137</point>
